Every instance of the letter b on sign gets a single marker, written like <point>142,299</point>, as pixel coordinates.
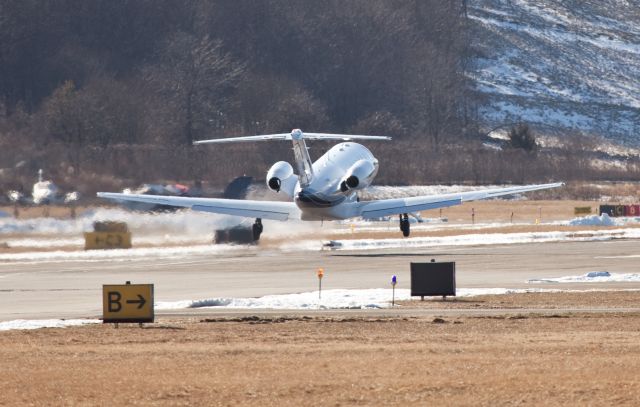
<point>114,301</point>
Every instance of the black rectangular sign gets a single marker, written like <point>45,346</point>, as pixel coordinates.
<point>608,209</point>
<point>433,279</point>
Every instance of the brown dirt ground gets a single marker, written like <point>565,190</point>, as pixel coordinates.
<point>516,358</point>
<point>589,299</point>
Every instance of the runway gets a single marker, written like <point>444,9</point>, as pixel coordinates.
<point>72,289</point>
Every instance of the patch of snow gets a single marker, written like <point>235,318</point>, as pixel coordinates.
<point>593,220</point>
<point>331,299</point>
<point>602,220</point>
<point>45,323</point>
<point>122,254</point>
<point>562,65</point>
<point>593,277</point>
<point>488,239</point>
<point>492,146</point>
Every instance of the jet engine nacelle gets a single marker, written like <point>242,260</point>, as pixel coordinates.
<point>359,176</point>
<point>281,178</point>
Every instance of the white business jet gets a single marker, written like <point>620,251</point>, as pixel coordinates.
<point>322,190</point>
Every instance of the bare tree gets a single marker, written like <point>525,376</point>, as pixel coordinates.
<point>196,78</point>
<point>102,113</point>
<point>521,137</point>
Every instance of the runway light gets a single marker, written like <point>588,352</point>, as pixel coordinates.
<point>394,280</point>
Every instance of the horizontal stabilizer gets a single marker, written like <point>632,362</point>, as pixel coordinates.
<point>283,136</point>
<point>289,136</point>
<point>343,137</point>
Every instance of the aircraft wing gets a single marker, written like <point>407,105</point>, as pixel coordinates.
<point>236,207</point>
<point>386,207</point>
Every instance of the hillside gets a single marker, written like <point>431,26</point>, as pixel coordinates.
<point>564,65</point>
<point>113,94</point>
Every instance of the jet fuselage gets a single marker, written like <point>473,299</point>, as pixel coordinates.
<point>325,198</point>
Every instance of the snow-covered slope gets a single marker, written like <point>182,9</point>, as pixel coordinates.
<point>560,64</point>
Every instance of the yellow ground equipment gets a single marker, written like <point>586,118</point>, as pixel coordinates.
<point>108,235</point>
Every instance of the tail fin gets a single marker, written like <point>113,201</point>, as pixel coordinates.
<point>303,160</point>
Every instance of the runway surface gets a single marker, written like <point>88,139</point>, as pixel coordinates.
<point>73,289</point>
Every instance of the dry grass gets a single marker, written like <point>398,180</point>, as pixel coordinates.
<point>563,359</point>
<point>536,300</point>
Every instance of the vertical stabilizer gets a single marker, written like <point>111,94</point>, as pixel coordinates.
<point>303,161</point>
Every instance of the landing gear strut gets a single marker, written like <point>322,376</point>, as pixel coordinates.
<point>404,225</point>
<point>257,229</point>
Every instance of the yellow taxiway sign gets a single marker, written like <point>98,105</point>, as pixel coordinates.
<point>127,303</point>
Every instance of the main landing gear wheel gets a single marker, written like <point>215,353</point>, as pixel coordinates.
<point>257,229</point>
<point>404,225</point>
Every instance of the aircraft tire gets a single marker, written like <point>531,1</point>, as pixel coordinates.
<point>404,225</point>
<point>257,229</point>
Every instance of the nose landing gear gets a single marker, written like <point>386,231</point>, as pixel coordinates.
<point>257,229</point>
<point>404,225</point>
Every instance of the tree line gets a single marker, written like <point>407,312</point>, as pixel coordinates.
<point>104,91</point>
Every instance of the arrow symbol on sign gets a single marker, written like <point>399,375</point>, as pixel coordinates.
<point>141,301</point>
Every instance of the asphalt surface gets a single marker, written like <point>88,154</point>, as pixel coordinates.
<point>73,289</point>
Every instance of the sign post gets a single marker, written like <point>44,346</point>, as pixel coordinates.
<point>320,275</point>
<point>127,303</point>
<point>394,281</point>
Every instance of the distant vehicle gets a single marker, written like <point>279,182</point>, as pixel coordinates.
<point>325,189</point>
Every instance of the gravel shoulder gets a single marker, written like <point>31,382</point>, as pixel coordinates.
<point>562,358</point>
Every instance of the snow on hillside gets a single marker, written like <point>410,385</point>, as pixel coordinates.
<point>571,64</point>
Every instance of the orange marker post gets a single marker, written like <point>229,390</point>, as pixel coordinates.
<point>320,275</point>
